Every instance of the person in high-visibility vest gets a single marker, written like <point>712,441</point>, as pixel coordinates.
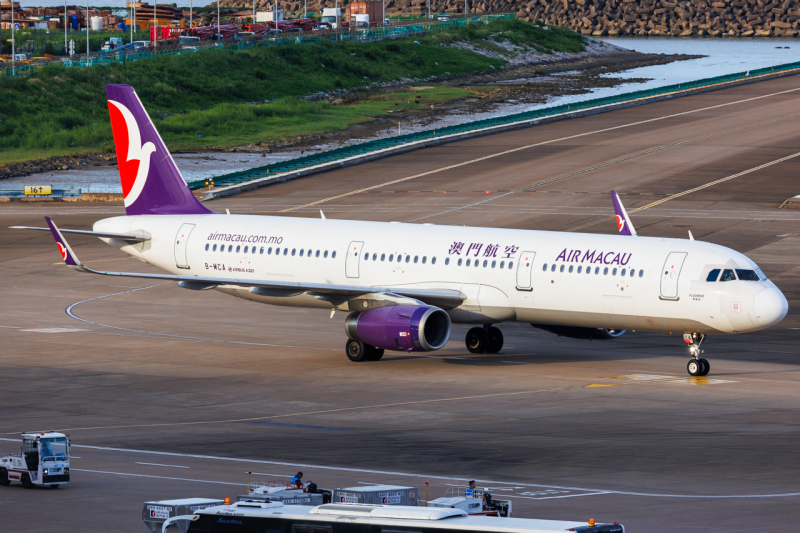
<point>297,480</point>
<point>471,491</point>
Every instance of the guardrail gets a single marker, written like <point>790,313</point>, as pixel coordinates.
<point>264,175</point>
<point>407,28</point>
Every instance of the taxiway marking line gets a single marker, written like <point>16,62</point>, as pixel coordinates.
<point>156,477</point>
<point>408,474</point>
<point>325,411</point>
<point>701,187</point>
<point>513,150</point>
<point>158,464</point>
<point>603,165</point>
<point>69,312</point>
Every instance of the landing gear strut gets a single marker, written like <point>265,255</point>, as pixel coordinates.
<point>487,339</point>
<point>696,366</point>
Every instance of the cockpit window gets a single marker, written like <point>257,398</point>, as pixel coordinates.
<point>727,275</point>
<point>746,275</point>
<point>713,275</point>
<point>761,274</point>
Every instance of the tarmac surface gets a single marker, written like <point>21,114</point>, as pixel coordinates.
<point>168,393</point>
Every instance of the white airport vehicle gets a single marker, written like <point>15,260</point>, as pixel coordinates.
<point>473,502</point>
<point>359,22</point>
<point>43,460</point>
<point>249,517</point>
<point>404,284</point>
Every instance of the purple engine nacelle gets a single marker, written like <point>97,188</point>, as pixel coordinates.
<point>405,328</point>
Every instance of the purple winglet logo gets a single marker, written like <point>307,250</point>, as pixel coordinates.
<point>623,223</point>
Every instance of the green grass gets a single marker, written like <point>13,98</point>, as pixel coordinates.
<point>62,109</point>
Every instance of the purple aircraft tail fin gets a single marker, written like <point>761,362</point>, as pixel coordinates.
<point>151,183</point>
<point>623,221</point>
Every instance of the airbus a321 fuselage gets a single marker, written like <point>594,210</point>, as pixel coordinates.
<point>404,284</point>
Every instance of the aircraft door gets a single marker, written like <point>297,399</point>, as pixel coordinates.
<point>351,262</point>
<point>670,275</point>
<point>524,268</point>
<point>181,241</point>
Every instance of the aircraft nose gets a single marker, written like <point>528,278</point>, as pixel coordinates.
<point>770,307</point>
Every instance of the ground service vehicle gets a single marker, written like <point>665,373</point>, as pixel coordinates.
<point>361,518</point>
<point>474,502</point>
<point>331,16</point>
<point>44,460</point>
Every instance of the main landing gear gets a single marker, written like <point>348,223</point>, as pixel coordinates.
<point>487,339</point>
<point>696,366</point>
<point>358,351</point>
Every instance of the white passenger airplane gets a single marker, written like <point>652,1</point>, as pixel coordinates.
<point>404,284</point>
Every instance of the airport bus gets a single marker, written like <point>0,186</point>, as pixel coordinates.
<point>274,517</point>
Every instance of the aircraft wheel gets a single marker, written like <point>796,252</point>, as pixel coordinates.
<point>26,481</point>
<point>706,367</point>
<point>356,351</point>
<point>373,353</point>
<point>494,340</point>
<point>476,340</point>
<point>694,367</point>
<point>4,482</point>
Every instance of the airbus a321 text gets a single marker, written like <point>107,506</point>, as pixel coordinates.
<point>403,285</point>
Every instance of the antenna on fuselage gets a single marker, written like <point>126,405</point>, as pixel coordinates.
<point>691,237</point>
<point>322,214</point>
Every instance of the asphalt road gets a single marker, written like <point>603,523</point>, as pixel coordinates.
<point>169,393</point>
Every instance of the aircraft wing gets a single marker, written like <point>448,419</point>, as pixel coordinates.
<point>444,298</point>
<point>123,236</point>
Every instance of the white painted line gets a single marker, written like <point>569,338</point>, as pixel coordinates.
<point>407,474</point>
<point>157,477</point>
<point>158,464</point>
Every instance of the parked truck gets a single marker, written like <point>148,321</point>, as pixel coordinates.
<point>43,460</point>
<point>332,16</point>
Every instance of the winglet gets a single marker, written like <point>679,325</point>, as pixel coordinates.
<point>623,221</point>
<point>67,254</point>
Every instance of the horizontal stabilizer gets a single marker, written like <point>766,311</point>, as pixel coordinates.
<point>100,234</point>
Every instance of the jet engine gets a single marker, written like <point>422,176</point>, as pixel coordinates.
<point>405,328</point>
<point>574,332</point>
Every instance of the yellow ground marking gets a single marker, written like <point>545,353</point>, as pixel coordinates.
<point>513,150</point>
<point>325,411</point>
<point>680,380</point>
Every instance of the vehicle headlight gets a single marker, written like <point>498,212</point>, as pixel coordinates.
<point>45,471</point>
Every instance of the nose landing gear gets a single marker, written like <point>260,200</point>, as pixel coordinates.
<point>696,366</point>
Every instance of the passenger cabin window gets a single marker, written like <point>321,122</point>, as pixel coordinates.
<point>727,275</point>
<point>230,247</point>
<point>207,245</point>
<point>561,269</point>
<point>246,248</point>
<point>238,248</point>
<point>746,275</point>
<point>446,260</point>
<point>433,260</point>
<point>713,275</point>
<point>605,271</point>
<point>316,254</point>
<point>468,261</point>
<point>494,263</point>
<point>333,254</point>
<point>310,252</point>
<point>301,253</point>
<point>544,267</point>
<point>425,259</point>
<point>510,264</point>
<point>614,272</point>
<point>553,268</point>
<point>641,273</point>
<point>408,258</point>
<point>459,261</point>
<point>580,269</point>
<point>325,254</point>
<point>214,249</point>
